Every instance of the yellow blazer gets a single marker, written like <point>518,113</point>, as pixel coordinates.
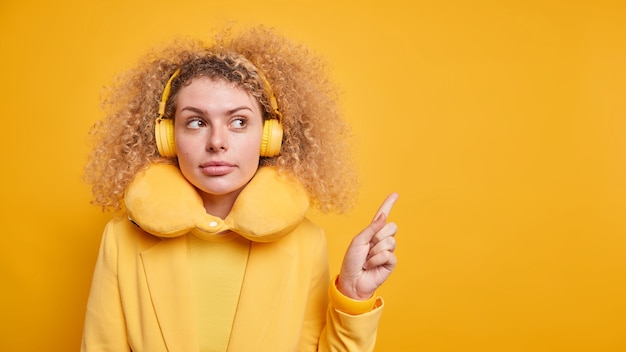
<point>141,295</point>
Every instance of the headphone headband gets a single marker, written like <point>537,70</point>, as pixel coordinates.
<point>273,102</point>
<point>166,94</point>
<point>168,87</point>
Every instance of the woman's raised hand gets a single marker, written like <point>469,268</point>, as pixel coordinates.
<point>370,258</point>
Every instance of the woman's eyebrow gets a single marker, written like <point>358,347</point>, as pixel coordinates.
<point>243,107</point>
<point>192,109</point>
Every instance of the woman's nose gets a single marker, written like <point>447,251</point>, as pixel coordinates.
<point>218,139</point>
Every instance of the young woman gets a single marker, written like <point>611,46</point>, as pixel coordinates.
<point>210,156</point>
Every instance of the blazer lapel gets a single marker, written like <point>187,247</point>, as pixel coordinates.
<point>169,283</point>
<point>262,291</point>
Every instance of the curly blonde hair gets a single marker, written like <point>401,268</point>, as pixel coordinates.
<point>315,144</point>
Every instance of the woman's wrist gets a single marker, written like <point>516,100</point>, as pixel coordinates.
<point>347,304</point>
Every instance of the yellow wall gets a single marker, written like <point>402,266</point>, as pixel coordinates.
<point>501,124</point>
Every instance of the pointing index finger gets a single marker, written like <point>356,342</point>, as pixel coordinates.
<point>385,208</point>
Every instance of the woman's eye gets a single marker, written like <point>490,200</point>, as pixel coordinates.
<point>194,124</point>
<point>239,123</point>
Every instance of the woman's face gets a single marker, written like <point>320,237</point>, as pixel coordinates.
<point>218,130</point>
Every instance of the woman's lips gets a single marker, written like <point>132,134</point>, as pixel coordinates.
<point>216,168</point>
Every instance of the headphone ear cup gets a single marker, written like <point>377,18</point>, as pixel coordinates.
<point>272,138</point>
<point>164,135</point>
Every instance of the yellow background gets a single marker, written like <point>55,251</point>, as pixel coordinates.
<point>501,124</point>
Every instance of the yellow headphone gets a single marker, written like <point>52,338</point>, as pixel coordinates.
<point>164,128</point>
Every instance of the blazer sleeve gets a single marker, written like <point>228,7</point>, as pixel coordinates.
<point>105,328</point>
<point>339,331</point>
